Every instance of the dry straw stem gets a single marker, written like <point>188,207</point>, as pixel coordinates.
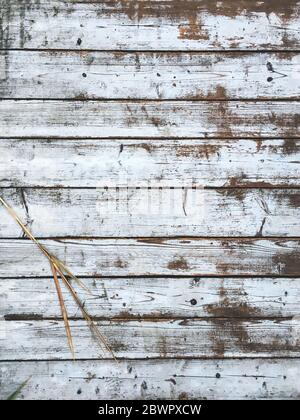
<point>59,268</point>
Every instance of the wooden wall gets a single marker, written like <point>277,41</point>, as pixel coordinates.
<point>199,302</point>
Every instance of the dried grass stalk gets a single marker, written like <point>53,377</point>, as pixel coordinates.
<point>60,269</point>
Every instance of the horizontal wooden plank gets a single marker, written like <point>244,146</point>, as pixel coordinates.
<point>127,298</point>
<point>94,75</point>
<point>190,338</point>
<point>153,379</point>
<point>152,213</point>
<point>177,163</point>
<point>158,25</point>
<point>154,256</point>
<point>21,118</point>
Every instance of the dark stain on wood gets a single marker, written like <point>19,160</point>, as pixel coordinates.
<point>232,306</point>
<point>294,200</point>
<point>184,9</point>
<point>221,116</point>
<point>290,147</point>
<point>23,317</point>
<point>120,263</point>
<point>154,241</point>
<point>198,151</point>
<point>287,263</point>
<point>179,264</point>
<point>223,330</point>
<point>193,30</point>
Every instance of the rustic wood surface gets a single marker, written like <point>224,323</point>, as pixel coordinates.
<point>36,118</point>
<point>154,147</point>
<point>94,75</point>
<point>150,25</point>
<point>99,163</point>
<point>166,297</point>
<point>154,256</point>
<point>187,338</point>
<point>146,379</point>
<point>141,212</point>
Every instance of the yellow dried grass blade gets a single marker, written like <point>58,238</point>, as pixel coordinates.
<point>63,310</point>
<point>67,271</point>
<point>91,323</point>
<point>59,267</point>
<point>41,247</point>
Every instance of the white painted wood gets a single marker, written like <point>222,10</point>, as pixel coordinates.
<point>152,379</point>
<point>154,119</point>
<point>96,75</point>
<point>154,256</point>
<point>132,213</point>
<point>215,338</point>
<point>151,25</point>
<point>140,163</point>
<point>155,297</point>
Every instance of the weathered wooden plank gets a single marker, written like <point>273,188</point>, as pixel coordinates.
<point>94,75</point>
<point>153,213</point>
<point>155,25</point>
<point>153,379</point>
<point>94,163</point>
<point>154,256</point>
<point>190,338</point>
<point>21,118</point>
<point>127,298</point>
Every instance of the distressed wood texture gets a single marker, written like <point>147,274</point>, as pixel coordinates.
<point>150,25</point>
<point>148,379</point>
<point>152,146</point>
<point>154,256</point>
<point>141,212</point>
<point>165,163</point>
<point>20,118</point>
<point>188,338</point>
<point>129,298</point>
<point>92,75</point>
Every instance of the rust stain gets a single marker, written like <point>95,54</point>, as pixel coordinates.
<point>232,304</point>
<point>204,151</point>
<point>154,241</point>
<point>219,93</point>
<point>193,30</point>
<point>294,199</point>
<point>238,194</point>
<point>81,97</point>
<point>290,147</point>
<point>235,182</point>
<point>183,396</point>
<point>163,346</point>
<point>185,9</point>
<point>178,265</point>
<point>146,146</point>
<point>287,263</point>
<point>120,264</point>
<point>222,118</point>
<point>229,334</point>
